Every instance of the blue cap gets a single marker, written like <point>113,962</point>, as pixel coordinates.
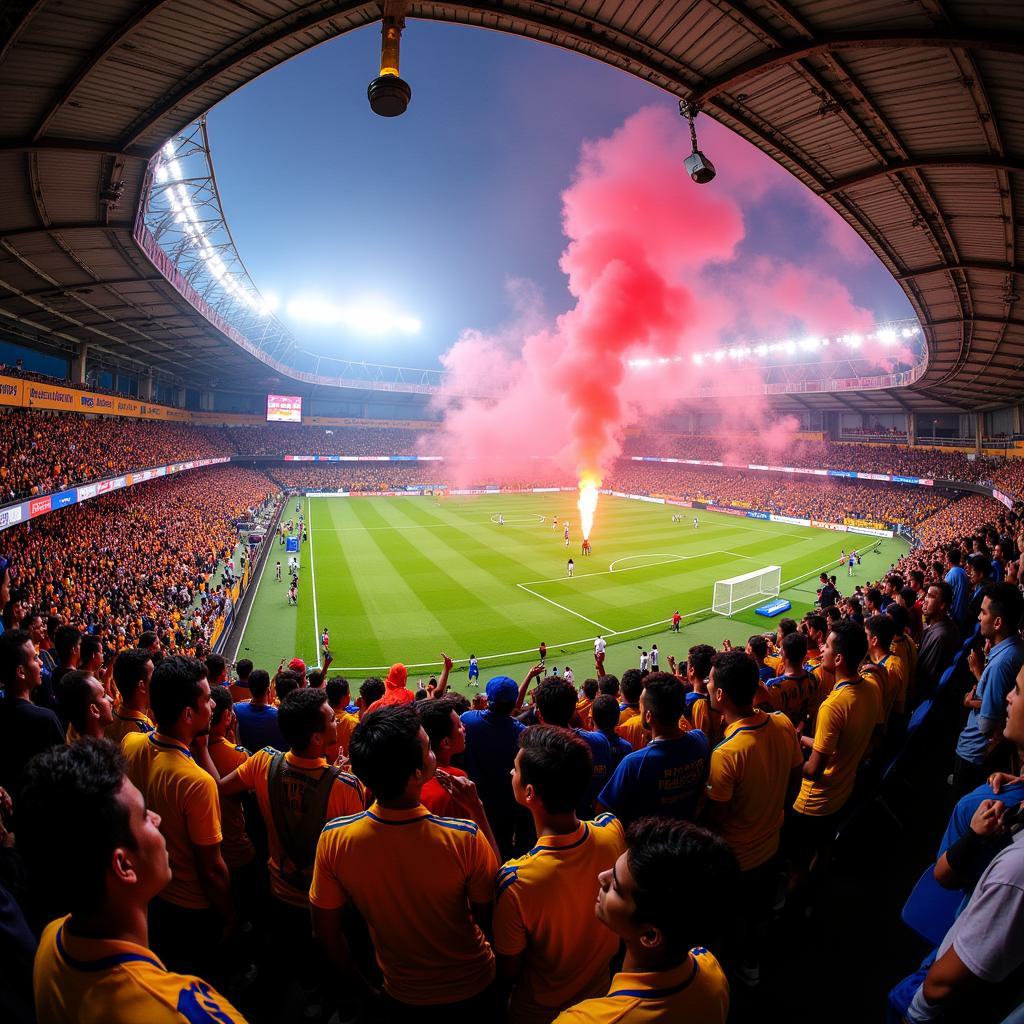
<point>502,690</point>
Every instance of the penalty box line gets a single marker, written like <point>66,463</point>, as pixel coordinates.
<point>526,587</point>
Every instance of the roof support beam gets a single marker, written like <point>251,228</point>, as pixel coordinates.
<point>936,38</point>
<point>965,265</point>
<point>983,161</point>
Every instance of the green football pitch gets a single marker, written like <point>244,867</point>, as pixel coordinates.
<point>402,579</point>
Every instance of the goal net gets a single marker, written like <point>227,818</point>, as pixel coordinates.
<point>739,592</point>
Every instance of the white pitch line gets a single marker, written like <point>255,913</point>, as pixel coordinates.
<point>312,580</point>
<point>259,583</point>
<point>593,622</point>
<point>606,572</point>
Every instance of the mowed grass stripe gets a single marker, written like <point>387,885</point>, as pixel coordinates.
<point>392,607</point>
<point>431,578</point>
<point>339,588</point>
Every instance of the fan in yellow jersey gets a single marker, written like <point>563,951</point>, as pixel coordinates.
<point>880,631</point>
<point>422,883</point>
<point>133,671</point>
<point>755,772</point>
<point>667,976</point>
<point>846,723</point>
<point>548,946</point>
<point>94,966</point>
<point>192,914</point>
<point>794,691</point>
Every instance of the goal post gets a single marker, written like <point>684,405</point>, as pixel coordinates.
<point>740,592</point>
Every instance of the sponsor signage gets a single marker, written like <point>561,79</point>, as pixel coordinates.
<point>63,498</point>
<point>87,491</point>
<point>39,506</point>
<point>818,524</point>
<point>758,515</point>
<point>792,520</point>
<point>869,530</point>
<point>727,511</point>
<point>12,516</point>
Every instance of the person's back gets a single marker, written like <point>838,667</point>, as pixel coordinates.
<point>957,579</point>
<point>492,739</point>
<point>423,922</point>
<point>667,776</point>
<point>546,939</point>
<point>257,719</point>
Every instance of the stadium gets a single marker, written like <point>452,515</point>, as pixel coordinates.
<point>610,471</point>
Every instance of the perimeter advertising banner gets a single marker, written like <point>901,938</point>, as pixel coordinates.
<point>284,409</point>
<point>30,394</point>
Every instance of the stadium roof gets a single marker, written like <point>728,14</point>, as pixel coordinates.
<point>903,115</point>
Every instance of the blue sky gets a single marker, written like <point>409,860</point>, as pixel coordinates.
<point>439,209</point>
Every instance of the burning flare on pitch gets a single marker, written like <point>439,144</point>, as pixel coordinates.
<point>587,504</point>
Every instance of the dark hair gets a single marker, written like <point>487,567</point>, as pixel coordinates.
<point>605,712</point>
<point>908,594</point>
<point>556,701</point>
<point>945,589</point>
<point>665,698</point>
<point>222,703</point>
<point>608,684</point>
<point>589,688</point>
<point>850,640</point>
<point>558,764</point>
<point>899,615</point>
<point>787,626</point>
<point>699,659</point>
<point>216,666</point>
<point>338,691</point>
<point>664,857</point>
<point>27,619</point>
<point>459,701</point>
<point>174,687</point>
<point>130,670</point>
<point>794,649</point>
<point>632,685</point>
<point>816,622</point>
<point>371,690</point>
<point>299,716</point>
<point>874,595</point>
<point>981,564</point>
<point>73,791</point>
<point>12,654</point>
<point>148,638</point>
<point>736,675</point>
<point>953,554</point>
<point>259,682</point>
<point>90,646</point>
<point>759,646</point>
<point>286,682</point>
<point>385,750</point>
<point>917,577</point>
<point>242,668</point>
<point>315,678</point>
<point>1006,603</point>
<point>882,629</point>
<point>74,695</point>
<point>436,719</point>
<point>65,640</point>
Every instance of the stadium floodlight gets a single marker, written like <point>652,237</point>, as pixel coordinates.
<point>388,95</point>
<point>697,165</point>
<point>368,316</point>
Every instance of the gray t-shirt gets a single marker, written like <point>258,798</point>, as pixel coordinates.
<point>989,935</point>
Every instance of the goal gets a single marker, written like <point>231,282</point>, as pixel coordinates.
<point>739,592</point>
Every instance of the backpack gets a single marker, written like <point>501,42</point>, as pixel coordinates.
<point>298,828</point>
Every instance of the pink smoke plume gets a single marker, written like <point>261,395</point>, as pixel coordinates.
<point>653,270</point>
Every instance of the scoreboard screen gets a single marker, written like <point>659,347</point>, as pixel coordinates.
<point>284,409</point>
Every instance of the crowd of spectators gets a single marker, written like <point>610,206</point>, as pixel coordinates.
<point>900,460</point>
<point>136,560</point>
<point>306,439</point>
<point>274,878</point>
<point>44,452</point>
<point>826,500</point>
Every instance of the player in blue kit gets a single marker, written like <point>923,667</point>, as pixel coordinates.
<point>474,671</point>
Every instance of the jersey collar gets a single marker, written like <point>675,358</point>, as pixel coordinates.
<point>305,762</point>
<point>758,720</point>
<point>100,954</point>
<point>390,816</point>
<point>565,842</point>
<point>162,742</point>
<point>130,715</point>
<point>655,984</point>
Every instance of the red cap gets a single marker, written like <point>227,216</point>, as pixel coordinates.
<point>297,665</point>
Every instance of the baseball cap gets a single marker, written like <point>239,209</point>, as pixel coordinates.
<point>297,665</point>
<point>502,690</point>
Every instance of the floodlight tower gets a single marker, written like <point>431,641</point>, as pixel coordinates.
<point>388,94</point>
